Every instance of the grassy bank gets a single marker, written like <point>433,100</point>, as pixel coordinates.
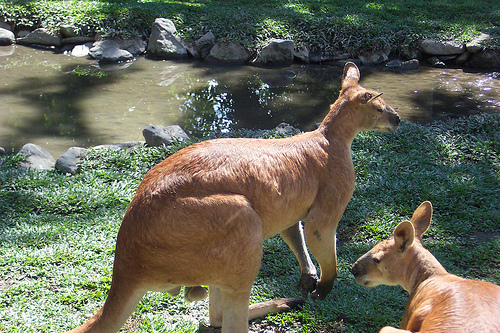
<point>57,232</point>
<point>323,25</point>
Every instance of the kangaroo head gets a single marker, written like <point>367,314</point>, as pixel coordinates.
<point>387,261</point>
<point>373,112</point>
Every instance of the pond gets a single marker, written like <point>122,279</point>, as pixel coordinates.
<point>58,101</point>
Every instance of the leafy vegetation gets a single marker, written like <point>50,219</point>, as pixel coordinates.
<point>323,25</point>
<point>57,232</point>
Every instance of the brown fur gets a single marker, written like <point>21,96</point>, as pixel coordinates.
<point>438,301</point>
<point>200,216</point>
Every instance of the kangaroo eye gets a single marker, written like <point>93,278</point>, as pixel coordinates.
<point>376,260</point>
<point>380,110</point>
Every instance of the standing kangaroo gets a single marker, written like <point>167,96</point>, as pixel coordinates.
<point>200,217</point>
<point>439,302</point>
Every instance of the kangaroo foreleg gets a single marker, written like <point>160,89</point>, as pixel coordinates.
<point>294,237</point>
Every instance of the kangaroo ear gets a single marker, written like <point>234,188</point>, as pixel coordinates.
<point>351,74</point>
<point>404,234</point>
<point>421,218</point>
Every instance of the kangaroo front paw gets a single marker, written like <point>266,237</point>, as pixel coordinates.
<point>322,290</point>
<point>307,284</point>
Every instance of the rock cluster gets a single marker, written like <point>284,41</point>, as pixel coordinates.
<point>37,158</point>
<point>165,43</point>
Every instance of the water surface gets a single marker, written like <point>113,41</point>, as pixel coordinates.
<point>58,101</point>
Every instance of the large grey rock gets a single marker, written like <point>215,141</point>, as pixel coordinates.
<point>164,42</point>
<point>36,158</point>
<point>109,47</point>
<point>477,44</point>
<point>68,162</point>
<point>436,47</point>
<point>6,37</point>
<point>229,53</point>
<point>114,55</point>
<point>205,44</point>
<point>276,52</point>
<point>156,135</point>
<point>42,36</point>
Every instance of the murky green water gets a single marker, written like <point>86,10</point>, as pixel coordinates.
<point>58,101</point>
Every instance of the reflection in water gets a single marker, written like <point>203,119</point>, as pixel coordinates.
<point>207,110</point>
<point>58,101</point>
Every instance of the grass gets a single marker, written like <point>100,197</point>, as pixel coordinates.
<point>326,26</point>
<point>57,232</point>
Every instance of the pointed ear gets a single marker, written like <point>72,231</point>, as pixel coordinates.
<point>351,75</point>
<point>404,234</point>
<point>421,218</point>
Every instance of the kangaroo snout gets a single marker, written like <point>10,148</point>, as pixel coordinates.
<point>392,119</point>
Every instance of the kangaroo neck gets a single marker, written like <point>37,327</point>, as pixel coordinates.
<point>340,123</point>
<point>421,266</point>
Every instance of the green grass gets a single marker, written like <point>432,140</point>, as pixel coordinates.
<point>323,25</point>
<point>57,232</point>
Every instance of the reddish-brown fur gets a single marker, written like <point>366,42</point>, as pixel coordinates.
<point>200,216</point>
<point>438,301</point>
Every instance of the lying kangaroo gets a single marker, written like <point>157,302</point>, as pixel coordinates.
<point>439,301</point>
<point>200,216</point>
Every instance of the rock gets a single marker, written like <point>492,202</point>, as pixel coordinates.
<point>2,151</point>
<point>164,42</point>
<point>156,135</point>
<point>115,55</point>
<point>134,47</point>
<point>476,44</point>
<point>486,59</point>
<point>80,50</point>
<point>375,58</point>
<point>277,52</point>
<point>192,51</point>
<point>36,158</point>
<point>436,62</point>
<point>205,44</point>
<point>42,36</point>
<point>394,63</point>
<point>286,129</point>
<point>22,33</point>
<point>410,65</point>
<point>403,65</point>
<point>463,58</point>
<point>6,37</point>
<point>121,146</point>
<point>435,47</point>
<point>77,40</point>
<point>302,53</point>
<point>229,53</point>
<point>68,162</point>
<point>68,30</point>
<point>409,52</point>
